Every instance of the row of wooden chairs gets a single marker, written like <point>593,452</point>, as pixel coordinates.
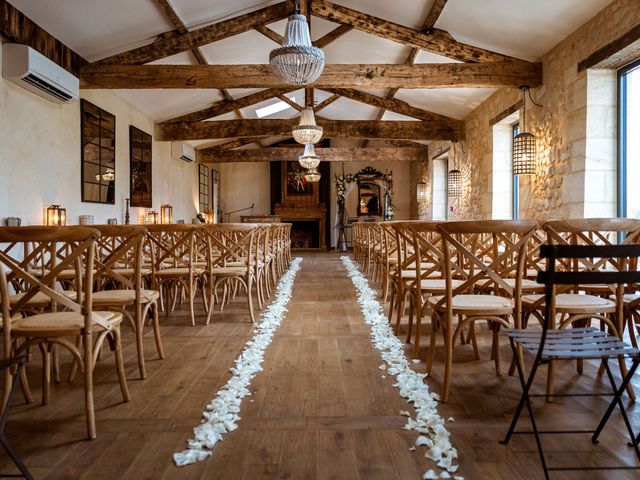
<point>71,288</point>
<point>486,270</point>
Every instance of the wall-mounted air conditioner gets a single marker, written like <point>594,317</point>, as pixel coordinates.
<point>183,151</point>
<point>30,69</point>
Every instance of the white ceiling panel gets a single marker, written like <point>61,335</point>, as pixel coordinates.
<point>94,28</point>
<point>164,104</point>
<point>522,28</point>
<point>346,109</point>
<point>453,102</point>
<point>360,47</point>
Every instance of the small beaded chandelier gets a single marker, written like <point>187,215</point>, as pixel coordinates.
<point>312,175</point>
<point>524,146</point>
<point>307,131</point>
<point>309,159</point>
<point>297,61</point>
<point>454,183</point>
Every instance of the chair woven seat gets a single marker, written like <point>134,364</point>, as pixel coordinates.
<point>573,343</point>
<point>432,285</point>
<point>178,271</point>
<point>127,272</point>
<point>40,299</point>
<point>527,284</point>
<point>229,270</point>
<point>60,323</point>
<point>574,302</point>
<point>479,303</point>
<point>120,297</point>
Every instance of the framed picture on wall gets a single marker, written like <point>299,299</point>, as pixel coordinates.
<point>296,184</point>
<point>140,144</point>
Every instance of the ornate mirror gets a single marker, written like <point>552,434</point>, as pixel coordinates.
<point>369,199</point>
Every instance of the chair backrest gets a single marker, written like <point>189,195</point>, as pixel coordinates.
<point>64,248</point>
<point>484,254</point>
<point>119,250</point>
<point>173,245</point>
<point>232,242</point>
<point>623,256</point>
<point>592,231</point>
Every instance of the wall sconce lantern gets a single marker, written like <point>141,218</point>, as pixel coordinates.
<point>152,217</point>
<point>454,183</point>
<point>56,215</point>
<point>166,214</point>
<point>524,145</point>
<point>422,192</point>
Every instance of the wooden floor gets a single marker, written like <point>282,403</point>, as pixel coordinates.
<point>320,409</point>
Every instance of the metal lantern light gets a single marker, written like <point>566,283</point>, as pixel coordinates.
<point>309,159</point>
<point>166,214</point>
<point>454,183</point>
<point>312,175</point>
<point>152,217</point>
<point>56,215</point>
<point>307,131</point>
<point>524,146</point>
<point>422,192</point>
<point>297,61</point>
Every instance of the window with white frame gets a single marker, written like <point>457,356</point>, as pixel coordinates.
<point>439,188</point>
<point>629,141</point>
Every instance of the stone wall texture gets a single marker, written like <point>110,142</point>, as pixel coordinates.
<point>575,128</point>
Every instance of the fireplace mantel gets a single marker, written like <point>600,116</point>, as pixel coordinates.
<point>290,212</point>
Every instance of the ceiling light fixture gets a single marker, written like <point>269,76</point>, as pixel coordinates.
<point>312,175</point>
<point>297,61</point>
<point>307,131</point>
<point>524,145</point>
<point>309,159</point>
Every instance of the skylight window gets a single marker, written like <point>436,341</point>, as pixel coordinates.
<point>274,108</point>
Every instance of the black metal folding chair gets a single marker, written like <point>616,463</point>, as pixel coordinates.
<point>576,343</point>
<point>18,363</point>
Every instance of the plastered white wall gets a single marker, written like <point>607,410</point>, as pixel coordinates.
<point>243,184</point>
<point>40,160</point>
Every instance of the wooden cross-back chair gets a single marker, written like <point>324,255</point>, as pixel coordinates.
<point>119,277</point>
<point>68,248</point>
<point>174,273</point>
<point>421,272</point>
<point>467,259</point>
<point>233,262</point>
<point>389,257</point>
<point>579,305</point>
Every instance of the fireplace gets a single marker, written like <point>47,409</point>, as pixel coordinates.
<point>305,234</point>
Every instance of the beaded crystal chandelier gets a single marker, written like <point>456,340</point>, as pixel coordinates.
<point>297,61</point>
<point>309,159</point>
<point>307,131</point>
<point>312,175</point>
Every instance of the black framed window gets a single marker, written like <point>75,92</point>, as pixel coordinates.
<point>203,174</point>
<point>629,140</point>
<point>516,180</point>
<point>98,155</point>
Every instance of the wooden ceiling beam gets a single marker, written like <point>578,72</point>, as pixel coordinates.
<point>434,14</point>
<point>172,44</point>
<point>410,130</point>
<point>230,105</point>
<point>267,32</point>
<point>325,103</point>
<point>427,75</point>
<point>274,154</point>
<point>437,41</point>
<point>332,36</point>
<point>290,102</point>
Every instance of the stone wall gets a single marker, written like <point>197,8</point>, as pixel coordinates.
<point>575,128</point>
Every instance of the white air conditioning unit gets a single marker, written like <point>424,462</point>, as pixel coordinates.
<point>183,151</point>
<point>30,69</point>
